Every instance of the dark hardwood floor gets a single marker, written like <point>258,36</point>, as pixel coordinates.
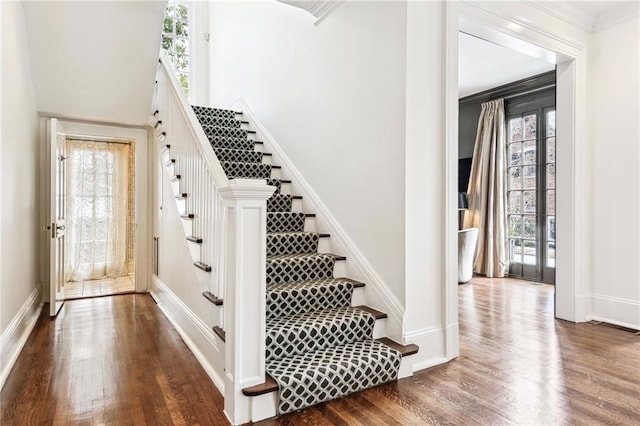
<point>117,360</point>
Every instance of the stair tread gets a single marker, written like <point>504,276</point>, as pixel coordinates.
<point>316,330</point>
<point>405,350</point>
<point>269,385</point>
<point>337,371</point>
<point>376,313</point>
<point>306,255</point>
<point>203,266</point>
<point>212,298</point>
<point>220,333</point>
<point>287,233</point>
<point>317,281</point>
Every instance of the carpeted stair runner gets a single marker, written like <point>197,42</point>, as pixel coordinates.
<point>318,347</point>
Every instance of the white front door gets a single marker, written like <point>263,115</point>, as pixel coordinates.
<point>57,205</point>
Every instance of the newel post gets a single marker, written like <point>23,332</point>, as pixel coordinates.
<point>245,292</point>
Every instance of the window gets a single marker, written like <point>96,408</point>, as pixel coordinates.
<point>175,41</point>
<point>531,183</point>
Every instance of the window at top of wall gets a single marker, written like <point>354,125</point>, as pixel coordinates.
<point>175,40</point>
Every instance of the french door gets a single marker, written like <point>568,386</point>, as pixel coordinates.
<point>531,183</point>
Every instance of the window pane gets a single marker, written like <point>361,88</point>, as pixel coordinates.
<point>515,251</point>
<point>182,46</point>
<point>169,10</point>
<point>183,79</point>
<point>529,177</point>
<point>529,229</point>
<point>529,252</point>
<point>551,123</point>
<point>182,28</point>
<point>515,226</point>
<point>167,43</point>
<point>515,154</point>
<point>168,26</point>
<point>515,202</point>
<point>515,178</point>
<point>515,129</point>
<point>530,202</point>
<point>182,12</point>
<point>551,150</point>
<point>529,154</point>
<point>182,63</point>
<point>551,255</point>
<point>530,127</point>
<point>551,228</point>
<point>551,176</point>
<point>551,202</point>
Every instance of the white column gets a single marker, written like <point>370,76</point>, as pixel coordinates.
<point>245,292</point>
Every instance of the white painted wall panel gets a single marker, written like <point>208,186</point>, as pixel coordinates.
<point>333,97</point>
<point>19,164</point>
<point>615,137</point>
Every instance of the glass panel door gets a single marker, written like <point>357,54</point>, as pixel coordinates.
<point>531,184</point>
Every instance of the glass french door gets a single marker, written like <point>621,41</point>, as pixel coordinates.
<point>531,183</point>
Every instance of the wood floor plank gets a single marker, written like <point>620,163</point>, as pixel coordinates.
<point>117,360</point>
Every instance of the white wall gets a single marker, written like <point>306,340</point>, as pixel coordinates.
<point>95,60</point>
<point>19,186</point>
<point>333,97</point>
<point>614,113</point>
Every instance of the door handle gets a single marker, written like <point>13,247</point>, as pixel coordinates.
<point>61,227</point>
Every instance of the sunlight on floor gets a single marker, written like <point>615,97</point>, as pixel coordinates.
<point>102,287</point>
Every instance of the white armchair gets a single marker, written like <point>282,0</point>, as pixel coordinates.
<point>467,240</point>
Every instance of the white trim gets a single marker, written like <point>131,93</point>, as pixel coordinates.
<point>17,333</point>
<point>374,282</point>
<point>604,308</point>
<point>573,252</point>
<point>432,341</point>
<point>187,326</point>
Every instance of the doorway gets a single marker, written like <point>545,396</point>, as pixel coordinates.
<point>570,56</point>
<point>99,255</point>
<point>531,185</point>
<point>92,267</point>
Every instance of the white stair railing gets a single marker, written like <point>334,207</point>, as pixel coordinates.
<point>229,216</point>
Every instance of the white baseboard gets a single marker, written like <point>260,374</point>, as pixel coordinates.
<point>17,332</point>
<point>614,310</point>
<point>198,337</point>
<point>432,347</point>
<point>383,298</point>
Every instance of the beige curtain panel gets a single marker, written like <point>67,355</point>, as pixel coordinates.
<point>97,197</point>
<point>487,192</point>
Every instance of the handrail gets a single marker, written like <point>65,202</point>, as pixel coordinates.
<point>219,176</point>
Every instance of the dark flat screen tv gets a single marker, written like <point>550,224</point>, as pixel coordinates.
<point>464,170</point>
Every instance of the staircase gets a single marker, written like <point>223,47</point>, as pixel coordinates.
<point>318,346</point>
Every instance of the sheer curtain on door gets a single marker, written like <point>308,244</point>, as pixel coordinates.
<point>97,177</point>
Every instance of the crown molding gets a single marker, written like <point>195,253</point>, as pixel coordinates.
<point>617,16</point>
<point>320,9</point>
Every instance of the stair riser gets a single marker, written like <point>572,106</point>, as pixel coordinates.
<point>231,143</point>
<point>195,250</point>
<point>281,271</point>
<point>292,244</point>
<point>182,203</point>
<point>247,170</point>
<point>175,186</point>
<point>244,156</point>
<point>208,120</point>
<point>187,225</point>
<point>215,112</point>
<point>278,204</point>
<point>380,329</point>
<point>225,132</point>
<point>286,222</point>
<point>285,337</point>
<point>285,300</point>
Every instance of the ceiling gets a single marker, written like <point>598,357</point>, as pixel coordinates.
<point>484,65</point>
<point>95,60</point>
<point>590,15</point>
